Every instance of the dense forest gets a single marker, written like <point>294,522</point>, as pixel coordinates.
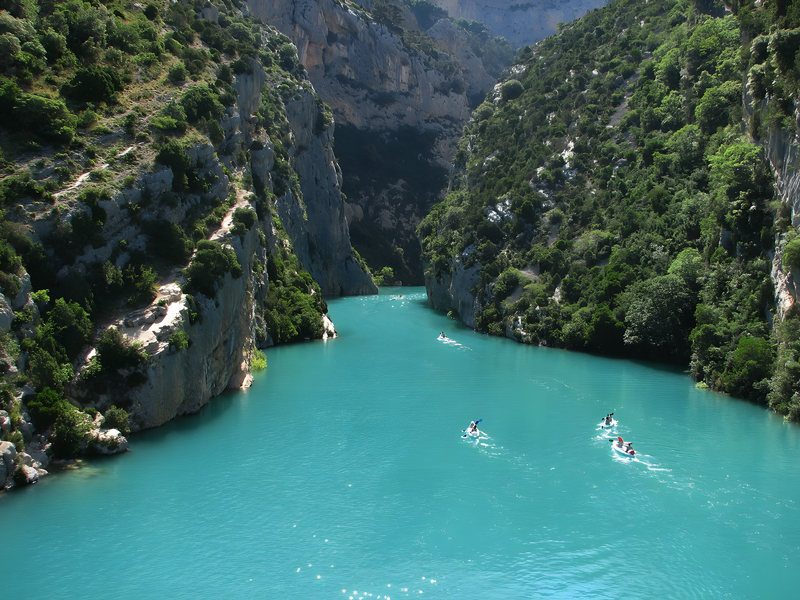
<point>96,98</point>
<point>616,200</point>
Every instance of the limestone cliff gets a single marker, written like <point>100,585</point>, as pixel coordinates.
<point>521,23</point>
<point>180,382</point>
<point>322,239</point>
<point>399,97</point>
<point>364,71</point>
<point>133,205</point>
<point>452,290</point>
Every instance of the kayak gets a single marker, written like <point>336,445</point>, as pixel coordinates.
<point>473,433</point>
<point>624,449</point>
<point>603,425</point>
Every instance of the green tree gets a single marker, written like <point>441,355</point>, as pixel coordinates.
<point>753,362</point>
<point>115,351</point>
<point>511,90</point>
<point>201,102</point>
<point>70,433</point>
<point>660,317</point>
<point>95,83</point>
<point>70,325</point>
<point>46,408</point>
<point>117,418</point>
<point>791,254</point>
<point>689,266</point>
<point>211,261</point>
<point>173,154</point>
<point>47,118</point>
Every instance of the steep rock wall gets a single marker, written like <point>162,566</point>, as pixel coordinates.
<point>363,71</point>
<point>325,250</point>
<point>385,89</point>
<point>521,22</point>
<point>182,382</point>
<point>452,290</point>
<point>315,218</point>
<point>783,153</point>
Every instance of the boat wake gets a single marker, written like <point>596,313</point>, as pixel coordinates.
<point>451,342</point>
<point>490,448</point>
<point>649,462</point>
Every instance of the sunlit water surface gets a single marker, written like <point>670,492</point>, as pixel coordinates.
<point>342,474</point>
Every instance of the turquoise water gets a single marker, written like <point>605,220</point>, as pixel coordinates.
<point>342,473</point>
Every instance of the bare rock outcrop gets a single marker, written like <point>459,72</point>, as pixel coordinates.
<point>325,250</point>
<point>521,23</point>
<point>363,71</point>
<point>454,289</point>
<point>182,381</point>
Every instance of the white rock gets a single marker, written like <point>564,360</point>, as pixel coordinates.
<point>30,473</point>
<point>23,295</point>
<point>7,455</point>
<point>110,441</point>
<point>6,313</point>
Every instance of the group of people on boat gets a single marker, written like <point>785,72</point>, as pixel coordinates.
<point>626,447</point>
<point>442,336</point>
<point>619,443</point>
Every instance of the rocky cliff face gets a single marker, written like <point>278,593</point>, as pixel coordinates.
<point>783,154</point>
<point>314,214</point>
<point>380,83</point>
<point>221,330</point>
<point>180,382</point>
<point>362,70</point>
<point>452,290</point>
<point>325,249</point>
<point>521,23</point>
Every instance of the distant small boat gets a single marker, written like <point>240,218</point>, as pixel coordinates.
<point>607,424</point>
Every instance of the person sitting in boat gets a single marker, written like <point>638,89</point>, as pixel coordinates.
<point>473,427</point>
<point>608,419</point>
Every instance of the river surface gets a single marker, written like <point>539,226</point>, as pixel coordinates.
<point>342,473</point>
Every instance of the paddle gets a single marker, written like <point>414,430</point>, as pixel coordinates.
<point>476,423</point>
<point>628,444</point>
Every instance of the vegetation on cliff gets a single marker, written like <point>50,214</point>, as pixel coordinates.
<point>121,155</point>
<point>614,205</point>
